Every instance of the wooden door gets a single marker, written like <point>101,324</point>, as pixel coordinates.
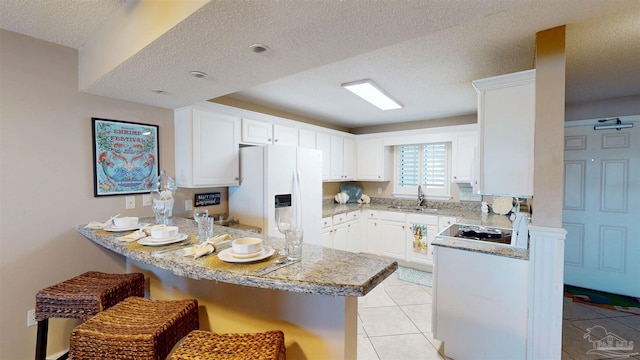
<point>601,209</point>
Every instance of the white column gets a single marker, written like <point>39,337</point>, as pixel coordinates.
<point>546,287</point>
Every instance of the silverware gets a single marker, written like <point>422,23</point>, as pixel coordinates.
<point>278,264</point>
<point>180,246</point>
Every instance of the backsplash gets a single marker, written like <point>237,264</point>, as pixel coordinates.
<point>448,205</point>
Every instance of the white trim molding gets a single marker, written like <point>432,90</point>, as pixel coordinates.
<point>546,287</point>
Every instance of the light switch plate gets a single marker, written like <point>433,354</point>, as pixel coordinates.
<point>31,318</point>
<point>130,202</point>
<point>146,200</point>
<point>188,205</point>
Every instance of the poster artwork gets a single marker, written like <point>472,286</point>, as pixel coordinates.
<point>126,157</point>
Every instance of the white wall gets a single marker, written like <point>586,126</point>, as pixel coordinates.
<point>46,181</point>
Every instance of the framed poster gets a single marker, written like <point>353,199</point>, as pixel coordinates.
<point>125,157</point>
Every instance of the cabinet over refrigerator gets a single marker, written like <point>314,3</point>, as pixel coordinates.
<point>266,189</point>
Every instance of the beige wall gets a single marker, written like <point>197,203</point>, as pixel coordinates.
<point>46,181</point>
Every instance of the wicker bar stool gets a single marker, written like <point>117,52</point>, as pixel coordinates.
<point>205,345</point>
<point>82,297</point>
<point>136,329</point>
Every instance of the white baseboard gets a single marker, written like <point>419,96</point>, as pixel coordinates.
<point>57,355</point>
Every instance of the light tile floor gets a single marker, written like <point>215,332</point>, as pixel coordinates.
<point>394,323</point>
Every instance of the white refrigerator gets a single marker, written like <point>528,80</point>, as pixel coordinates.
<point>266,189</point>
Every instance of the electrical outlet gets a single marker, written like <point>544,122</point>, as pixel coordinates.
<point>146,200</point>
<point>379,191</point>
<point>188,205</point>
<point>31,318</point>
<point>130,202</point>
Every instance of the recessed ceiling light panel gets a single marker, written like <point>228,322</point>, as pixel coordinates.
<point>369,91</point>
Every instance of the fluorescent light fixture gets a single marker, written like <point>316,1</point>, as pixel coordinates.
<point>618,125</point>
<point>371,92</point>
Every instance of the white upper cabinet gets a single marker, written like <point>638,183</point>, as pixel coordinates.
<point>206,148</point>
<point>342,158</point>
<point>464,147</point>
<point>285,135</point>
<point>257,132</point>
<point>307,138</point>
<point>506,118</point>
<point>323,143</point>
<point>372,160</point>
<point>266,133</point>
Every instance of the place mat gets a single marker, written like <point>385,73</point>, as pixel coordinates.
<point>213,261</point>
<point>135,246</point>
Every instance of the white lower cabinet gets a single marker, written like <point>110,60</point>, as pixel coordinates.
<point>421,231</point>
<point>326,237</point>
<point>392,234</point>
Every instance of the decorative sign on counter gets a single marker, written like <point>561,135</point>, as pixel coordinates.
<point>206,199</point>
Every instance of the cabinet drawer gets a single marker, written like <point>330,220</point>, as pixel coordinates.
<point>372,214</point>
<point>392,216</point>
<point>423,219</point>
<point>446,221</point>
<point>339,218</point>
<point>326,222</point>
<point>353,215</point>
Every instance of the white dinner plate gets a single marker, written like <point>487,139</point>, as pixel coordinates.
<point>156,242</point>
<point>227,255</point>
<point>114,228</point>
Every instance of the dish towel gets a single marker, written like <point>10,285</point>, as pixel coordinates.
<point>205,248</point>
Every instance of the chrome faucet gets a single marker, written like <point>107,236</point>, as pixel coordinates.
<point>420,195</point>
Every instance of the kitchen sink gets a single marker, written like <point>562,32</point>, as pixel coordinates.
<point>413,208</point>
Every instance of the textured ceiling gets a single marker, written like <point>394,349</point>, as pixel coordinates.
<point>425,53</point>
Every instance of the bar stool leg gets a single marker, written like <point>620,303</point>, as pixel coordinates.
<point>41,340</point>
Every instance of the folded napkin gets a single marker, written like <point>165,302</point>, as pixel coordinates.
<point>138,234</point>
<point>101,225</point>
<point>199,250</point>
<point>206,247</point>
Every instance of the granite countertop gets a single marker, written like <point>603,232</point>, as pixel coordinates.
<point>463,215</point>
<point>481,247</point>
<point>321,271</point>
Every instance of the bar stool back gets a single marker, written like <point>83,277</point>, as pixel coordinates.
<point>82,297</point>
<point>136,329</point>
<point>205,345</point>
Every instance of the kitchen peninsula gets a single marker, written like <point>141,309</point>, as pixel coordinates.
<point>314,302</point>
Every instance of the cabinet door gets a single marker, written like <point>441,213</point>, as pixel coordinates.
<point>372,160</point>
<point>337,158</point>
<point>371,240</point>
<point>307,138</point>
<point>506,116</point>
<point>463,156</point>
<point>353,236</point>
<point>392,239</point>
<point>257,132</point>
<point>285,135</point>
<point>215,149</point>
<point>323,143</point>
<point>340,235</point>
<point>349,159</point>
<point>326,238</point>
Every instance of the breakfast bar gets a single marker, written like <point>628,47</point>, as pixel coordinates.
<point>314,301</point>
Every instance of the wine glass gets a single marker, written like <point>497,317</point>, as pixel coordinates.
<point>284,224</point>
<point>159,210</point>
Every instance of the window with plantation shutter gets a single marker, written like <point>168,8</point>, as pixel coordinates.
<point>422,164</point>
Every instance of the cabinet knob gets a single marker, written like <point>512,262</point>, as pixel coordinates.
<point>269,139</point>
<point>276,140</point>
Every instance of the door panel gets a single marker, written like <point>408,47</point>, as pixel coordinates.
<point>601,212</point>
